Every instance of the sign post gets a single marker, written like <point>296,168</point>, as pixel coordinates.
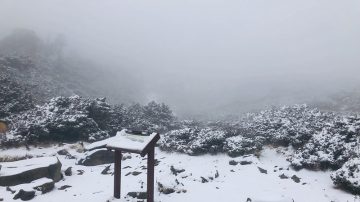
<point>139,143</point>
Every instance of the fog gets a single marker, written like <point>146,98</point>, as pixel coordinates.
<point>203,56</point>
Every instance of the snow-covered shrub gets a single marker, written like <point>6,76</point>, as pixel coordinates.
<point>62,119</point>
<point>240,145</point>
<point>193,141</point>
<point>332,147</point>
<point>151,117</point>
<point>348,176</point>
<point>283,126</point>
<point>233,128</point>
<point>208,141</point>
<point>77,118</point>
<point>14,97</point>
<point>178,140</point>
<point>101,112</point>
<point>293,125</point>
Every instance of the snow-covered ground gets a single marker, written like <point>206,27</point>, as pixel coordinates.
<point>225,182</point>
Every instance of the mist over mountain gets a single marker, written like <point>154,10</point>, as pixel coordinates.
<point>46,70</point>
<point>200,57</point>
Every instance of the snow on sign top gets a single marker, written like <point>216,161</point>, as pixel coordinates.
<point>129,141</point>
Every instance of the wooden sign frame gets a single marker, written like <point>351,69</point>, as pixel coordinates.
<point>147,149</point>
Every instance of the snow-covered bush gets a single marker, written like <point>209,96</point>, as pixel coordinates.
<point>151,117</point>
<point>77,118</point>
<point>178,140</point>
<point>101,112</point>
<point>61,119</point>
<point>283,126</point>
<point>293,125</point>
<point>193,141</point>
<point>74,118</point>
<point>332,147</point>
<point>240,145</point>
<point>348,176</point>
<point>208,141</point>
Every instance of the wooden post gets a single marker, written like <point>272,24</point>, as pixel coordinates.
<point>147,148</point>
<point>117,174</point>
<point>150,175</point>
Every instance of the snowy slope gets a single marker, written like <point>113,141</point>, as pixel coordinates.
<point>234,182</point>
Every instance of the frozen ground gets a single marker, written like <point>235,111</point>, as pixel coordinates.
<point>233,182</point>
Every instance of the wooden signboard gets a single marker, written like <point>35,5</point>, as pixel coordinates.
<point>3,130</point>
<point>139,143</point>
<point>3,127</point>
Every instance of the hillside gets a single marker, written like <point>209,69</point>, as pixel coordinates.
<point>46,69</point>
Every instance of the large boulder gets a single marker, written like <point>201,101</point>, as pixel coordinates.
<point>26,171</point>
<point>97,157</point>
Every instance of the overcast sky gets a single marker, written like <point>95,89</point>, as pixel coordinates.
<point>200,55</point>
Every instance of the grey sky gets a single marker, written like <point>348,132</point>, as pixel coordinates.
<point>200,55</point>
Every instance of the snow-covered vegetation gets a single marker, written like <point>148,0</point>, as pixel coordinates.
<point>321,140</point>
<point>335,144</point>
<point>76,118</point>
<point>291,125</point>
<point>61,119</point>
<point>348,176</point>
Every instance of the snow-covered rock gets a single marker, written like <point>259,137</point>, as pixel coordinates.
<point>42,185</point>
<point>24,195</point>
<point>26,171</point>
<point>97,157</point>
